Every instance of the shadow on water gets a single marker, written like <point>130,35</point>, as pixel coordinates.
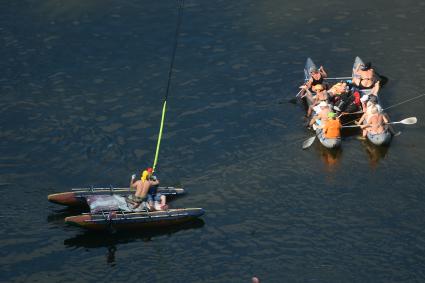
<point>96,239</point>
<point>110,240</point>
<point>375,153</point>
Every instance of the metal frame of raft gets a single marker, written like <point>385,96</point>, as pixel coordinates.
<point>77,196</point>
<point>127,220</point>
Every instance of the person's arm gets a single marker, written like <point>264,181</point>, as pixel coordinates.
<point>385,118</point>
<point>309,82</point>
<point>132,181</point>
<point>376,88</point>
<point>361,119</point>
<point>315,100</point>
<point>323,72</point>
<point>356,76</point>
<point>306,92</point>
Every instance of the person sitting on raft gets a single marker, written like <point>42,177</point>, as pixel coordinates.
<point>142,187</point>
<point>343,99</point>
<point>375,122</point>
<point>331,129</point>
<point>367,112</point>
<point>321,95</point>
<point>317,76</point>
<point>156,200</point>
<point>365,79</point>
<point>321,114</point>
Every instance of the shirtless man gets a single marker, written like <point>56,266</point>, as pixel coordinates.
<point>142,187</point>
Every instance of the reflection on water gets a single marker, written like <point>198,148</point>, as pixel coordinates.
<point>60,214</point>
<point>374,153</point>
<point>111,240</point>
<point>330,158</point>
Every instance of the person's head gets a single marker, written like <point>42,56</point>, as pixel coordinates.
<point>318,88</point>
<point>316,74</point>
<point>373,99</point>
<point>323,105</point>
<point>373,110</point>
<point>366,66</point>
<point>331,115</point>
<point>145,175</point>
<point>341,86</point>
<point>369,104</point>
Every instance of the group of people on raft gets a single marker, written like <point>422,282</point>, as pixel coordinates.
<point>147,192</point>
<point>327,103</point>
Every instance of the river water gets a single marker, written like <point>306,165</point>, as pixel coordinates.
<point>82,84</point>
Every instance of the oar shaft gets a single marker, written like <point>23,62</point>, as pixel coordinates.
<point>407,121</point>
<point>339,78</point>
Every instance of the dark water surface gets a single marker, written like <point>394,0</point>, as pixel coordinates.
<point>82,84</point>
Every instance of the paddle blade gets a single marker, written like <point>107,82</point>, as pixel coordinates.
<point>409,121</point>
<point>308,142</point>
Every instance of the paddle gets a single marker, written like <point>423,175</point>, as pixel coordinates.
<point>407,121</point>
<point>339,78</point>
<point>308,142</point>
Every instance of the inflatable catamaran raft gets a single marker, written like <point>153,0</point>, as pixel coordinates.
<point>77,196</point>
<point>114,212</point>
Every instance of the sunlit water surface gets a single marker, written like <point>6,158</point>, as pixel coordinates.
<point>82,85</point>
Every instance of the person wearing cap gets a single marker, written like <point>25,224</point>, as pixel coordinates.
<point>321,95</point>
<point>156,200</point>
<point>322,110</point>
<point>331,129</point>
<point>146,174</point>
<point>142,187</point>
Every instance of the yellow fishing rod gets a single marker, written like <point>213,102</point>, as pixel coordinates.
<point>164,107</point>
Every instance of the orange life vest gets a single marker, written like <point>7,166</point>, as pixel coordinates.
<point>332,129</point>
